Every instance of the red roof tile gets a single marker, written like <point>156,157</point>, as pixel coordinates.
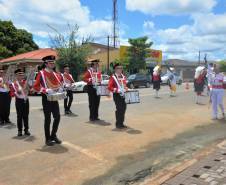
<point>33,55</point>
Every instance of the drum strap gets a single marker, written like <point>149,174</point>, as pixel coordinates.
<point>43,78</point>
<point>118,84</point>
<point>57,78</point>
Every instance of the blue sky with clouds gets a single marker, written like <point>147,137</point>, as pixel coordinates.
<point>178,27</point>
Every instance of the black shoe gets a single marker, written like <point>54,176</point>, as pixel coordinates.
<point>66,112</point>
<point>19,134</point>
<point>97,119</point>
<point>56,140</point>
<point>27,133</point>
<point>49,143</point>
<point>1,122</point>
<point>124,126</point>
<point>70,112</point>
<point>91,120</point>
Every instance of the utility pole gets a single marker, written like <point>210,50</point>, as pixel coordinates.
<point>115,23</point>
<point>108,53</point>
<point>205,59</point>
<point>199,57</point>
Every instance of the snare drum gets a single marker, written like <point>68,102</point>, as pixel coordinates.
<point>102,90</point>
<point>56,96</point>
<point>132,96</point>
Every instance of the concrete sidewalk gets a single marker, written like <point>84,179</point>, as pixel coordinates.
<point>207,168</point>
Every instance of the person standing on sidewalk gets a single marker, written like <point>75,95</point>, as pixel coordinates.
<point>68,81</point>
<point>217,92</point>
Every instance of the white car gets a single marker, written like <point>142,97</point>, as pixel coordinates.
<point>81,85</point>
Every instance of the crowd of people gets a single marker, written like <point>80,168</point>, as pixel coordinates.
<point>55,86</point>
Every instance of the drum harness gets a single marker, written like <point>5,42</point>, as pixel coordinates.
<point>121,87</point>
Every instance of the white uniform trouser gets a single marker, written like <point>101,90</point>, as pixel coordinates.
<point>217,101</point>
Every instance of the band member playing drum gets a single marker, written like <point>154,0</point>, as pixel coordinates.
<point>49,83</point>
<point>156,79</point>
<point>5,99</point>
<point>20,89</point>
<point>117,85</point>
<point>68,83</point>
<point>93,78</point>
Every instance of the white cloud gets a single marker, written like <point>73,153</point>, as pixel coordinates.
<point>35,16</point>
<point>210,23</point>
<point>170,7</point>
<point>205,34</point>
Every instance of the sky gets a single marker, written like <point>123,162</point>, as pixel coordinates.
<point>180,28</point>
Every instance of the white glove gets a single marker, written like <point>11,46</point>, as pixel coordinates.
<point>49,91</point>
<point>67,85</point>
<point>30,83</point>
<point>61,90</point>
<point>119,91</point>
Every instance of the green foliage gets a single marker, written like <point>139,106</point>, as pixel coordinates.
<point>137,53</point>
<point>14,41</point>
<point>71,51</point>
<point>223,66</point>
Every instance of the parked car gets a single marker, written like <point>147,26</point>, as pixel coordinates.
<point>138,80</point>
<point>165,79</point>
<point>81,86</point>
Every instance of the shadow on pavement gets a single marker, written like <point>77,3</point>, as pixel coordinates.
<point>134,131</point>
<point>100,123</point>
<point>19,137</point>
<point>30,139</point>
<point>70,115</point>
<point>8,126</point>
<point>56,149</point>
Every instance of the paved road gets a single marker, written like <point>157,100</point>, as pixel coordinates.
<point>162,131</point>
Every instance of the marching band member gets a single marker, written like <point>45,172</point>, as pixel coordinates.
<point>156,79</point>
<point>217,92</point>
<point>5,99</point>
<point>93,77</point>
<point>172,81</point>
<point>117,85</point>
<point>19,90</point>
<point>68,82</point>
<point>48,82</point>
<point>199,82</point>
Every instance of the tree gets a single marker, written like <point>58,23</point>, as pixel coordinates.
<point>14,41</point>
<point>223,66</point>
<point>137,53</point>
<point>71,50</point>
